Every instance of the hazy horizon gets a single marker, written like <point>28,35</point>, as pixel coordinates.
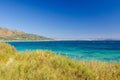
<point>73,19</point>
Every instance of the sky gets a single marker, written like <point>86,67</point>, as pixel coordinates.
<point>78,19</point>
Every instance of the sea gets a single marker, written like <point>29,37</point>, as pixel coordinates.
<point>108,51</point>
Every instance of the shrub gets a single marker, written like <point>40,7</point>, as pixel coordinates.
<point>45,65</point>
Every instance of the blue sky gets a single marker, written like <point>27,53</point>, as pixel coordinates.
<point>80,19</point>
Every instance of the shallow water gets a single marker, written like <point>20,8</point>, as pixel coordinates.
<point>80,50</point>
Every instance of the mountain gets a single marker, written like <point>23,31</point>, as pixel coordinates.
<point>7,34</point>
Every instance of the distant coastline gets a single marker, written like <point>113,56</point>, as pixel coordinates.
<point>55,40</point>
<point>24,40</point>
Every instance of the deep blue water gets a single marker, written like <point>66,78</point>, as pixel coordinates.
<point>80,50</point>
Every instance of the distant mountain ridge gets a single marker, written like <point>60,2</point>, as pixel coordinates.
<point>7,34</point>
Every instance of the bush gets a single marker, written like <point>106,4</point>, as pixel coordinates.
<point>45,65</point>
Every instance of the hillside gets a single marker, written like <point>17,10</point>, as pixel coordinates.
<point>46,65</point>
<point>7,34</point>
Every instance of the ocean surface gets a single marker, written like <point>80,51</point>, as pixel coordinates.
<point>108,51</point>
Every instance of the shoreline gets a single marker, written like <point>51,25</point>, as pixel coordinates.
<point>49,40</point>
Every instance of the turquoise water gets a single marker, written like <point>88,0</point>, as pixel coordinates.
<point>80,50</point>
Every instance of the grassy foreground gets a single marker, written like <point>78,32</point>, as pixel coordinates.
<point>45,65</point>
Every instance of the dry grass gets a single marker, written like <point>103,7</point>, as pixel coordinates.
<point>45,65</point>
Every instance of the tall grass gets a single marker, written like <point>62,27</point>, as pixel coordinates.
<point>45,65</point>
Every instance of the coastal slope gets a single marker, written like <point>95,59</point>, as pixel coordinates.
<point>46,65</point>
<point>7,34</point>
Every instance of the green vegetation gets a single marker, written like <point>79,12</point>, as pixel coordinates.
<point>7,34</point>
<point>45,65</point>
